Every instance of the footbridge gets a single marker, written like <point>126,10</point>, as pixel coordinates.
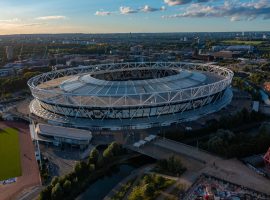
<point>161,148</point>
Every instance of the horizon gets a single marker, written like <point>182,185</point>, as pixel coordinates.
<point>108,33</point>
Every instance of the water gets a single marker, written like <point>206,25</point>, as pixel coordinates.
<point>100,188</point>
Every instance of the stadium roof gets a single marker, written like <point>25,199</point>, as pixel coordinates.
<point>86,84</point>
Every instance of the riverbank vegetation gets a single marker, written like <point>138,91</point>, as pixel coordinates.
<point>149,187</point>
<point>84,173</point>
<point>120,194</point>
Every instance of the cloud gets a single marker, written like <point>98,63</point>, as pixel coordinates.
<point>182,2</point>
<point>10,20</point>
<point>33,24</point>
<point>235,18</point>
<point>51,17</point>
<point>102,13</point>
<point>236,11</point>
<point>148,8</point>
<point>14,25</point>
<point>177,2</point>
<point>127,10</point>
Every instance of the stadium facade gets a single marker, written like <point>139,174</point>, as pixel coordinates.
<point>120,96</point>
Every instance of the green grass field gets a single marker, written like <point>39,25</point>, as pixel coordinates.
<point>243,42</point>
<point>10,162</point>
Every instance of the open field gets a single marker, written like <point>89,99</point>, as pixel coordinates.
<point>244,42</point>
<point>9,154</point>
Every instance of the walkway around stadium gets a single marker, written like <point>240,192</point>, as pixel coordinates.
<point>198,162</point>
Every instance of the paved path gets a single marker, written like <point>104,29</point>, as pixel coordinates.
<point>198,162</point>
<point>31,193</point>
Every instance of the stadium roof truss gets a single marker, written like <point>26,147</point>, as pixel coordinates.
<point>65,98</point>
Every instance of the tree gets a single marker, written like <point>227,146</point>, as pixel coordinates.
<point>67,186</point>
<point>55,180</point>
<point>46,193</point>
<point>147,179</point>
<point>77,167</point>
<point>115,148</point>
<point>172,166</point>
<point>160,181</point>
<point>149,190</point>
<point>91,167</point>
<point>100,162</point>
<point>107,154</point>
<point>62,180</point>
<point>81,168</point>
<point>93,157</point>
<point>57,192</point>
<point>216,144</point>
<point>136,194</point>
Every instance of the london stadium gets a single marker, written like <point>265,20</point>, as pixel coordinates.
<point>121,96</point>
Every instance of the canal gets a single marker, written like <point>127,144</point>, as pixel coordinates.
<point>101,187</point>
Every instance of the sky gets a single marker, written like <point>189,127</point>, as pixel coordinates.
<point>118,16</point>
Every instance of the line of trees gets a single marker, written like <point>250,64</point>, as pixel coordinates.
<point>231,122</point>
<point>15,83</point>
<point>240,84</point>
<point>228,144</point>
<point>72,184</point>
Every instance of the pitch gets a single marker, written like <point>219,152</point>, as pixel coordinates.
<point>10,166</point>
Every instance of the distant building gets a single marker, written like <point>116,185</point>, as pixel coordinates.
<point>6,72</point>
<point>136,49</point>
<point>184,39</point>
<point>218,48</point>
<point>197,54</point>
<point>226,55</point>
<point>245,48</point>
<point>9,52</point>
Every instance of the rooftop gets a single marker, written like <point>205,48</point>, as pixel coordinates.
<point>63,132</point>
<point>87,84</point>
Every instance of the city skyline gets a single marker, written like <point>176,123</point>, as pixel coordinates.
<point>116,16</point>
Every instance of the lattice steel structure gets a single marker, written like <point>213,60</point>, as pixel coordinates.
<point>130,95</point>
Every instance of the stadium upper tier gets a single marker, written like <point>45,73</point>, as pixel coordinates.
<point>128,90</point>
<point>88,86</point>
